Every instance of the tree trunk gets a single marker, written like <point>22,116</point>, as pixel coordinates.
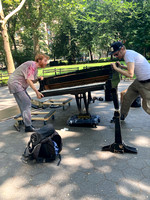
<point>54,57</point>
<point>14,42</point>
<point>11,32</point>
<point>9,58</point>
<point>3,20</point>
<point>36,43</point>
<point>144,52</point>
<point>90,51</point>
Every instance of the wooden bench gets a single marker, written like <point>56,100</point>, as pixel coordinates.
<point>35,116</point>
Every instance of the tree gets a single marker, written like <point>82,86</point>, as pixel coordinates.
<point>64,41</point>
<point>3,21</point>
<point>138,27</point>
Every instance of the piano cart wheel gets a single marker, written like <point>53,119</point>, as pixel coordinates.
<point>94,125</point>
<point>100,99</point>
<point>17,126</point>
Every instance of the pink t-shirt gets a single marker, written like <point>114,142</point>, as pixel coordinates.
<point>18,79</point>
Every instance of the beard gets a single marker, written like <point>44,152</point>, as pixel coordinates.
<point>43,65</point>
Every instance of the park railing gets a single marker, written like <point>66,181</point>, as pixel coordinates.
<point>45,72</point>
<point>58,71</point>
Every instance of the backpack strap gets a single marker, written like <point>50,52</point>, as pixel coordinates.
<point>47,160</point>
<point>59,156</point>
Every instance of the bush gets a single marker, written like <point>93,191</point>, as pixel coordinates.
<point>53,63</point>
<point>62,63</point>
<point>93,61</point>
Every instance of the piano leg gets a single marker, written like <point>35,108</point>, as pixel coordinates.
<point>86,104</point>
<point>118,146</point>
<point>89,97</point>
<point>79,98</point>
<point>78,101</point>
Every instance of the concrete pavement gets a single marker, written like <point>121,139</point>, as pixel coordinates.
<point>85,172</point>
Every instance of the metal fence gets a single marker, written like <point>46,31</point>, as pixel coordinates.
<point>58,71</point>
<point>46,72</point>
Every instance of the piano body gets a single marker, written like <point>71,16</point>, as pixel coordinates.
<point>80,83</point>
<point>84,81</point>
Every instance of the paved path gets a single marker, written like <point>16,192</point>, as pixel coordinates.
<point>85,173</point>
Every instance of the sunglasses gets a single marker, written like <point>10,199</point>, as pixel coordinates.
<point>116,54</point>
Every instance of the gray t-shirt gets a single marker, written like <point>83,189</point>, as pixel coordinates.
<point>141,65</point>
<point>18,79</point>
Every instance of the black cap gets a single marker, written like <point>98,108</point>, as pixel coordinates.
<point>116,47</point>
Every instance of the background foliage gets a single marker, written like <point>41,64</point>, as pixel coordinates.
<point>76,29</point>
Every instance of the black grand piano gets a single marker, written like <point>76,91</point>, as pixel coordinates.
<point>80,83</point>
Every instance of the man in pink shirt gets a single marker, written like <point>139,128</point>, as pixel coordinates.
<point>26,75</point>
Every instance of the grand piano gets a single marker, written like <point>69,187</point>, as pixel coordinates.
<point>80,83</point>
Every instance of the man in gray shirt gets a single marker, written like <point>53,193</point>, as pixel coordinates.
<point>138,65</point>
<point>26,75</point>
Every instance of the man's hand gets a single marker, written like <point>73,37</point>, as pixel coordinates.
<point>41,78</point>
<point>118,63</point>
<point>39,95</point>
<point>114,66</point>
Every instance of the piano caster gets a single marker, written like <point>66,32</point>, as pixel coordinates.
<point>119,148</point>
<point>94,125</point>
<point>95,98</point>
<point>18,124</point>
<point>112,120</point>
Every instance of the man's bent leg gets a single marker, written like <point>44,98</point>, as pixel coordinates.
<point>24,104</point>
<point>145,94</point>
<point>128,98</point>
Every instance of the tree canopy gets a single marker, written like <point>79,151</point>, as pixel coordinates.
<point>70,28</point>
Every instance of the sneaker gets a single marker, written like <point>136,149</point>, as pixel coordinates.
<point>30,129</point>
<point>122,117</point>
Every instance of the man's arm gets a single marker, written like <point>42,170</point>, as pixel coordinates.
<point>130,69</point>
<point>38,94</point>
<point>39,78</point>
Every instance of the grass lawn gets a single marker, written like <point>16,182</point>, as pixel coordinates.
<point>56,70</point>
<point>50,71</point>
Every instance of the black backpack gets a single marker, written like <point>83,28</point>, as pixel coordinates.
<point>44,146</point>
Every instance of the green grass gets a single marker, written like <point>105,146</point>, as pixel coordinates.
<point>50,70</point>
